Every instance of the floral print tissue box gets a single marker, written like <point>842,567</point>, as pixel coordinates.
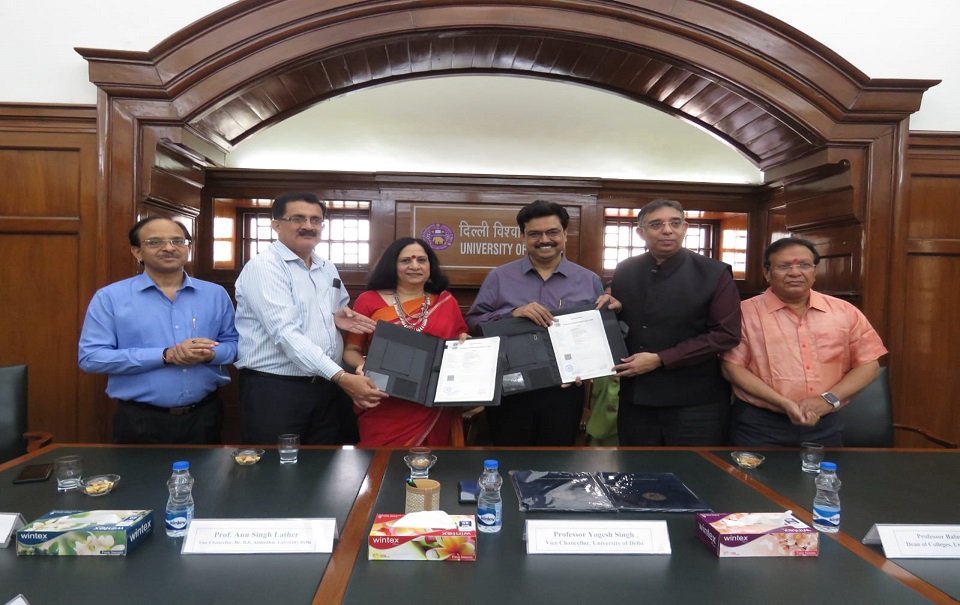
<point>388,542</point>
<point>92,532</point>
<point>757,535</point>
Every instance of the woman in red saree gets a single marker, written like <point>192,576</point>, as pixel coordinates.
<point>407,288</point>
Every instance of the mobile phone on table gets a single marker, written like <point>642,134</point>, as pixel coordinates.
<point>34,472</point>
<point>469,491</point>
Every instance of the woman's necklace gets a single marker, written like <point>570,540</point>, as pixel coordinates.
<point>414,324</point>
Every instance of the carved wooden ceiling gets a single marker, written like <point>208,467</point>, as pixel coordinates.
<point>759,132</point>
<point>770,91</point>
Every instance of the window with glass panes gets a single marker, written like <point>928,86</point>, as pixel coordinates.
<point>620,239</point>
<point>345,238</point>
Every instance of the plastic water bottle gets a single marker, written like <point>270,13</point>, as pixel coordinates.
<point>826,504</point>
<point>489,504</point>
<point>180,503</point>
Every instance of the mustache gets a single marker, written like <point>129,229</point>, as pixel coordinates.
<point>306,232</point>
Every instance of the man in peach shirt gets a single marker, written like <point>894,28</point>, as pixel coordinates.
<point>802,355</point>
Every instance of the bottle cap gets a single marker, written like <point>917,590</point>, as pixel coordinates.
<point>182,465</point>
<point>491,464</point>
<point>828,466</point>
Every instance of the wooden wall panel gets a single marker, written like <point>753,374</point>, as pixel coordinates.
<point>925,316</point>
<point>40,297</point>
<point>40,182</point>
<point>934,208</point>
<point>49,238</point>
<point>929,393</point>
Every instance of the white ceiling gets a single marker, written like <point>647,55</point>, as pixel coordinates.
<point>494,125</point>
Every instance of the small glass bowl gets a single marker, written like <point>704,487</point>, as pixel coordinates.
<point>747,459</point>
<point>99,485</point>
<point>247,456</point>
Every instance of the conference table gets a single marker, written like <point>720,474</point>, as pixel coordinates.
<point>352,485</point>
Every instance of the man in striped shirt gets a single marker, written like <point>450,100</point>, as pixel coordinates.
<point>291,306</point>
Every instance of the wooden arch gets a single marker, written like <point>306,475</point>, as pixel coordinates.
<point>785,101</point>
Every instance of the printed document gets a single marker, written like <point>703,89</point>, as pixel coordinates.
<point>580,346</point>
<point>468,371</point>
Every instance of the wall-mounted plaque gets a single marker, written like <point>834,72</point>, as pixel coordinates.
<point>469,237</point>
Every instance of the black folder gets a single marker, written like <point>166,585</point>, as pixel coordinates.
<point>406,364</point>
<point>528,360</point>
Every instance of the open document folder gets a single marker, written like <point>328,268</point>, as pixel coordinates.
<point>434,372</point>
<point>582,342</point>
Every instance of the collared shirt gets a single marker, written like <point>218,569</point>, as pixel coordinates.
<point>285,314</point>
<point>518,283</point>
<point>128,325</point>
<point>801,357</point>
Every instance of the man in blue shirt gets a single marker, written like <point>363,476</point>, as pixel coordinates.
<point>164,339</point>
<point>531,287</point>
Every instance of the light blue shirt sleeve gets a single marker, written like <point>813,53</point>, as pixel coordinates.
<point>100,351</point>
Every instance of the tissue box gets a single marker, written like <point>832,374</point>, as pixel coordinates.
<point>757,535</point>
<point>92,532</point>
<point>387,542</point>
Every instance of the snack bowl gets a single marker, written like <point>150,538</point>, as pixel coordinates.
<point>99,485</point>
<point>247,456</point>
<point>747,459</point>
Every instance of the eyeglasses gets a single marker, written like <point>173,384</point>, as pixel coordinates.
<point>551,233</point>
<point>787,267</point>
<point>675,223</point>
<point>298,219</point>
<point>155,242</point>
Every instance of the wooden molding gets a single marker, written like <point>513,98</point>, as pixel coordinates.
<point>253,63</point>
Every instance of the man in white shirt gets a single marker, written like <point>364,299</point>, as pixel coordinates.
<point>291,305</point>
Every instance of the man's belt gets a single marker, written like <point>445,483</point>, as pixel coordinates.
<point>250,372</point>
<point>173,411</point>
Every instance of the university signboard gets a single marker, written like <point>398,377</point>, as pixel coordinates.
<point>469,237</point>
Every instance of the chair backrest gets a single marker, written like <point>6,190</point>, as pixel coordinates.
<point>868,418</point>
<point>13,411</point>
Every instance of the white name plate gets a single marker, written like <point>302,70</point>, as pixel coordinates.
<point>916,541</point>
<point>9,524</point>
<point>597,537</point>
<point>258,536</point>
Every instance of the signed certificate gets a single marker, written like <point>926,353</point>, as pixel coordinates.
<point>580,346</point>
<point>432,371</point>
<point>468,371</point>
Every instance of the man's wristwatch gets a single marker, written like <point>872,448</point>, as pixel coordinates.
<point>831,399</point>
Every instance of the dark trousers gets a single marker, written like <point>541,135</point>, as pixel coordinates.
<point>545,417</point>
<point>136,422</point>
<point>689,425</point>
<point>751,426</point>
<point>273,405</point>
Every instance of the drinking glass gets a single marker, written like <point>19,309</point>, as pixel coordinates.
<point>811,455</point>
<point>288,446</point>
<point>69,471</point>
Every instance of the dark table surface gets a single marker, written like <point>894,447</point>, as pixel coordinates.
<point>917,487</point>
<point>324,483</point>
<point>504,574</point>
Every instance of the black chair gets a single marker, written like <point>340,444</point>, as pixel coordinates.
<point>868,418</point>
<point>14,439</point>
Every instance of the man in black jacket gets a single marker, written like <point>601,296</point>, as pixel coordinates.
<point>682,310</point>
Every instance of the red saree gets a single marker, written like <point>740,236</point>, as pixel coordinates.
<point>396,422</point>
